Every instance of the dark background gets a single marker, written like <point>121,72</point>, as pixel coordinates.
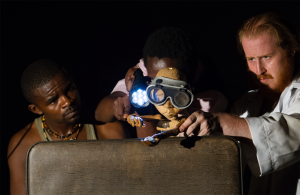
<point>98,42</point>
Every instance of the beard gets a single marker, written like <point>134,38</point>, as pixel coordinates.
<point>283,80</point>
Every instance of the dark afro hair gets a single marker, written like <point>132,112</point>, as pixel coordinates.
<point>173,43</point>
<point>36,75</point>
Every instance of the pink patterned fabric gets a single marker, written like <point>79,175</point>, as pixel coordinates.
<point>120,86</point>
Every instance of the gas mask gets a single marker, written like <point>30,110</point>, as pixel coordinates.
<point>161,89</point>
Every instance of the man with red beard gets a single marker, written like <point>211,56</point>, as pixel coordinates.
<point>266,121</point>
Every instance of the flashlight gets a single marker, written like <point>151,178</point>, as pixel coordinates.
<point>137,95</point>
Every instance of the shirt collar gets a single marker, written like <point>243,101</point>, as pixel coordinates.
<point>296,81</point>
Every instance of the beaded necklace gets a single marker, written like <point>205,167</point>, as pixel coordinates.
<point>76,128</point>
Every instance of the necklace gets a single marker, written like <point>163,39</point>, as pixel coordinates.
<point>76,128</point>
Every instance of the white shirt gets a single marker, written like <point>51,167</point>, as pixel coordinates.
<point>276,136</point>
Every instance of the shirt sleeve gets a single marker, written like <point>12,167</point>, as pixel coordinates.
<point>276,138</point>
<point>121,86</point>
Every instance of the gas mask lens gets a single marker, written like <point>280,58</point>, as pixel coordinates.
<point>181,99</point>
<point>161,88</point>
<point>157,95</point>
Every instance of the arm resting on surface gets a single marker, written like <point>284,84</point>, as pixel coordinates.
<point>277,140</point>
<point>276,135</point>
<point>105,111</point>
<point>202,123</point>
<point>233,125</point>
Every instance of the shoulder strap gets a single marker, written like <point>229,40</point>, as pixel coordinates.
<point>38,124</point>
<point>90,132</point>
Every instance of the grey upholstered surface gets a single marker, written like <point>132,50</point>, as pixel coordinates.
<point>207,165</point>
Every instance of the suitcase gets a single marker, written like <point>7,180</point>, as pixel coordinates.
<point>196,165</point>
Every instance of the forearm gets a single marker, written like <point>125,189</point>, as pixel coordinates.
<point>276,129</point>
<point>104,111</point>
<point>113,130</point>
<point>238,128</point>
<point>233,125</point>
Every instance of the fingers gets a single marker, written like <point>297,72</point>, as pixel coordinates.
<point>146,143</point>
<point>129,121</point>
<point>117,109</point>
<point>157,140</point>
<point>193,128</point>
<point>138,121</point>
<point>122,108</point>
<point>129,78</point>
<point>188,122</point>
<point>197,124</point>
<point>204,129</point>
<point>158,135</point>
<point>129,83</point>
<point>127,106</point>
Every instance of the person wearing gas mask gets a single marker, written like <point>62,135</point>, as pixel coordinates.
<point>170,94</point>
<point>166,47</point>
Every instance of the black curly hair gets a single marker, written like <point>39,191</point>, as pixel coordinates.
<point>36,75</point>
<point>173,43</point>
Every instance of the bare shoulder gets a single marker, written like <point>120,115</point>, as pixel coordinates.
<point>114,130</point>
<point>17,151</point>
<point>26,136</point>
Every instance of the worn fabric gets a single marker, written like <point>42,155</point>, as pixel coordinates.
<point>276,136</point>
<point>90,132</point>
<point>207,101</point>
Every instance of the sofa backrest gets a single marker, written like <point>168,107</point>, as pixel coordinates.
<point>198,165</point>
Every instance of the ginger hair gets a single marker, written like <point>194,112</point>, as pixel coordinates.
<point>285,33</point>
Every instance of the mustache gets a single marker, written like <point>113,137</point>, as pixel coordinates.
<point>265,76</point>
<point>69,110</point>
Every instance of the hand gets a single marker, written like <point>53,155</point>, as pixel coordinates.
<point>129,78</point>
<point>122,107</point>
<point>152,140</point>
<point>200,123</point>
<point>135,121</point>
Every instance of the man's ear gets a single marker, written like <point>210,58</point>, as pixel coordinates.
<point>33,108</point>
